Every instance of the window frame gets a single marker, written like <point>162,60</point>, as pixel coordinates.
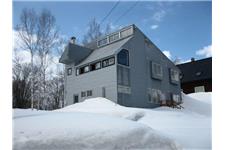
<point>107,59</point>
<point>172,76</point>
<point>74,95</point>
<point>154,70</point>
<point>83,94</point>
<point>128,58</point>
<point>87,66</point>
<point>89,93</point>
<point>69,71</point>
<point>94,64</point>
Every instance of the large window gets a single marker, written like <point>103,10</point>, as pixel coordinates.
<point>123,57</point>
<point>123,76</point>
<point>157,71</point>
<point>69,71</point>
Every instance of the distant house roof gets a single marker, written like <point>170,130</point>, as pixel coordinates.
<point>196,70</point>
<point>105,51</point>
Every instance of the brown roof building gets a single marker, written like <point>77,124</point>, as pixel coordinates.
<point>196,76</point>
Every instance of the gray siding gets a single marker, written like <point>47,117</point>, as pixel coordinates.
<point>95,81</point>
<point>141,56</point>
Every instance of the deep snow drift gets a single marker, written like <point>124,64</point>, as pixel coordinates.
<point>104,106</point>
<point>69,131</point>
<point>99,123</point>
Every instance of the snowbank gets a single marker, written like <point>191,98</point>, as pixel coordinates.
<point>190,127</point>
<point>78,130</point>
<point>202,96</point>
<point>104,106</point>
<point>18,113</point>
<point>197,106</point>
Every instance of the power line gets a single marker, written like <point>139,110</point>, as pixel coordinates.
<point>110,12</point>
<point>129,9</point>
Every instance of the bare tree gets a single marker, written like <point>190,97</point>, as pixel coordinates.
<point>27,34</point>
<point>94,32</point>
<point>39,34</point>
<point>47,34</point>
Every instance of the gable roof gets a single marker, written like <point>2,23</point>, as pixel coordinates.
<point>74,54</point>
<point>105,51</point>
<point>196,70</point>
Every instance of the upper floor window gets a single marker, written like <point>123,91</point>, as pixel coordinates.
<point>95,66</point>
<point>123,57</point>
<point>126,32</point>
<point>157,71</point>
<point>69,71</point>
<point>108,62</point>
<point>86,68</point>
<point>174,75</point>
<point>114,37</point>
<point>102,42</point>
<point>111,61</point>
<point>77,71</point>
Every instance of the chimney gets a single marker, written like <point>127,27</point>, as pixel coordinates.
<point>72,40</point>
<point>192,59</point>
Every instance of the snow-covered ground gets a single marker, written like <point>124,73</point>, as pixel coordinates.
<point>99,123</point>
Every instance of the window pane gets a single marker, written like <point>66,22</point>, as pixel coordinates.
<point>113,37</point>
<point>98,65</point>
<point>86,68</point>
<point>174,75</point>
<point>123,57</point>
<point>126,32</point>
<point>83,94</point>
<point>69,71</point>
<point>89,93</point>
<point>82,70</point>
<point>157,71</point>
<point>111,61</point>
<point>77,71</point>
<point>105,63</point>
<point>102,42</point>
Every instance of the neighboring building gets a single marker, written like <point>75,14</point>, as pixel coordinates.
<point>126,67</point>
<point>196,76</point>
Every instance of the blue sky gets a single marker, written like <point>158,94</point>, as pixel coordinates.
<point>181,28</point>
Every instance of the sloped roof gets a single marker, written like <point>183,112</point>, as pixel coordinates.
<point>196,70</point>
<point>105,51</point>
<point>74,54</point>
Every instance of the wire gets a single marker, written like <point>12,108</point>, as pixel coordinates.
<point>110,11</point>
<point>129,9</point>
